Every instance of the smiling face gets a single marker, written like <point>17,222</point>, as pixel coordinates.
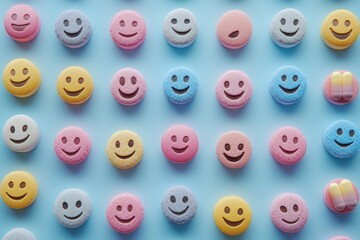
<point>125,213</point>
<point>341,139</point>
<point>128,29</point>
<point>180,27</point>
<point>288,28</point>
<point>288,86</point>
<point>18,189</point>
<point>22,23</point>
<point>21,78</point>
<point>75,85</point>
<point>232,215</point>
<point>73,29</point>
<point>289,212</point>
<point>340,29</point>
<point>72,208</point>
<point>128,86</point>
<point>180,85</point>
<point>21,133</point>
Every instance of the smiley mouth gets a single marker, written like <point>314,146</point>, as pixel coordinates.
<point>124,220</point>
<point>128,95</point>
<point>290,222</point>
<point>19,27</point>
<point>126,156</point>
<point>234,34</point>
<point>234,159</point>
<point>181,32</point>
<point>341,36</point>
<point>180,91</point>
<point>16,198</point>
<point>73,218</point>
<point>343,145</point>
<point>234,97</point>
<point>179,150</point>
<point>289,90</point>
<point>128,35</point>
<point>73,93</point>
<point>288,151</point>
<point>21,140</point>
<point>73,35</point>
<point>179,213</point>
<point>19,84</point>
<point>289,34</point>
<point>71,153</point>
<point>233,224</point>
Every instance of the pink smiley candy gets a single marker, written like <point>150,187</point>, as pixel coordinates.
<point>233,89</point>
<point>72,145</point>
<point>125,213</point>
<point>180,144</point>
<point>289,212</point>
<point>287,145</point>
<point>128,86</point>
<point>22,23</point>
<point>340,238</point>
<point>128,29</point>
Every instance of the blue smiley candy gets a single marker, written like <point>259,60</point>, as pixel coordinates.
<point>341,139</point>
<point>288,85</point>
<point>180,85</point>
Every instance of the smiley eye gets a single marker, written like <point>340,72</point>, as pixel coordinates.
<point>80,80</point>
<point>64,140</point>
<point>122,81</point>
<point>11,184</point>
<point>227,210</point>
<point>295,140</point>
<point>77,141</point>
<point>186,78</point>
<point>227,84</point>
<point>130,208</point>
<point>296,22</point>
<point>78,21</point>
<point>119,208</point>
<point>12,129</point>
<point>65,205</point>
<point>241,146</point>
<point>131,143</point>
<point>173,199</point>
<point>241,84</point>
<point>174,78</point>
<point>335,22</point>
<point>134,23</point>
<point>133,80</point>
<point>227,147</point>
<point>14,17</point>
<point>283,209</point>
<point>240,211</point>
<point>68,79</point>
<point>12,72</point>
<point>283,21</point>
<point>174,21</point>
<point>351,133</point>
<point>66,23</point>
<point>174,138</point>
<point>284,138</point>
<point>283,78</point>
<point>295,78</point>
<point>296,208</point>
<point>122,23</point>
<point>78,204</point>
<point>339,131</point>
<point>185,139</point>
<point>117,144</point>
<point>25,71</point>
<point>185,199</point>
<point>25,128</point>
<point>187,21</point>
<point>22,185</point>
<point>347,23</point>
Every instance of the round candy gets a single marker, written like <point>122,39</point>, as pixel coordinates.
<point>72,145</point>
<point>18,189</point>
<point>21,133</point>
<point>125,149</point>
<point>289,212</point>
<point>180,28</point>
<point>340,238</point>
<point>179,204</point>
<point>128,86</point>
<point>232,215</point>
<point>73,29</point>
<point>341,87</point>
<point>341,196</point>
<point>19,234</point>
<point>233,89</point>
<point>128,29</point>
<point>234,149</point>
<point>180,85</point>
<point>22,23</point>
<point>341,139</point>
<point>125,213</point>
<point>75,85</point>
<point>340,29</point>
<point>72,207</point>
<point>288,86</point>
<point>234,29</point>
<point>288,28</point>
<point>180,144</point>
<point>287,145</point>
<point>21,78</point>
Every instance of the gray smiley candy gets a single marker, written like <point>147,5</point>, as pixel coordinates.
<point>180,28</point>
<point>73,29</point>
<point>288,28</point>
<point>179,204</point>
<point>72,208</point>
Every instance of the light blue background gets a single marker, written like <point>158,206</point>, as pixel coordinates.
<point>258,183</point>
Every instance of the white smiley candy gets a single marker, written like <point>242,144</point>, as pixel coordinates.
<point>180,28</point>
<point>21,133</point>
<point>72,208</point>
<point>19,234</point>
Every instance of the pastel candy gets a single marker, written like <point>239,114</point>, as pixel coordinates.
<point>73,29</point>
<point>180,28</point>
<point>340,238</point>
<point>341,139</point>
<point>19,234</point>
<point>288,28</point>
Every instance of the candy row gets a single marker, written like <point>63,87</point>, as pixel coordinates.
<point>339,31</point>
<point>125,212</point>
<point>22,79</point>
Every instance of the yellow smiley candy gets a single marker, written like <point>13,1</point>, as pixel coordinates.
<point>340,29</point>
<point>21,78</point>
<point>232,215</point>
<point>124,149</point>
<point>18,189</point>
<point>75,85</point>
